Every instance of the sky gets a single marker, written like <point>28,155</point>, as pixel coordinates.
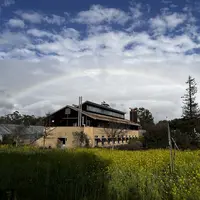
<point>127,53</point>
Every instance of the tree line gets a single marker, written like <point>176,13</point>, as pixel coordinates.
<point>20,119</point>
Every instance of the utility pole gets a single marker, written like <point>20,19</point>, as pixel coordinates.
<point>170,147</point>
<point>80,111</point>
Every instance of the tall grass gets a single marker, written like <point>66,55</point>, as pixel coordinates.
<point>85,174</point>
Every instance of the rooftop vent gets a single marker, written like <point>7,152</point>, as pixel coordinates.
<point>105,104</point>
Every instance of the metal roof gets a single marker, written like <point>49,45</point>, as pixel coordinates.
<point>91,103</point>
<point>6,129</point>
<point>104,107</point>
<point>106,118</point>
<point>111,119</point>
<point>101,117</point>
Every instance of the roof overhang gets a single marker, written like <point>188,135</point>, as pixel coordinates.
<point>110,119</point>
<point>101,117</point>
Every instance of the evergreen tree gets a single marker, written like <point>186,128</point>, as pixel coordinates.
<point>145,117</point>
<point>190,107</point>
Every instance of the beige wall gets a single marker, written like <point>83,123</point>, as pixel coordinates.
<point>90,133</point>
<point>102,132</point>
<point>52,137</point>
<point>66,132</point>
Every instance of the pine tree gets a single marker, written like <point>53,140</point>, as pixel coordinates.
<point>190,108</point>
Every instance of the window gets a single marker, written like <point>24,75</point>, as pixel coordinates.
<point>88,123</point>
<point>104,112</point>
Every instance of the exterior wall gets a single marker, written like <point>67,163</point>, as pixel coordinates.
<point>66,132</point>
<point>101,132</point>
<point>59,132</point>
<point>90,133</point>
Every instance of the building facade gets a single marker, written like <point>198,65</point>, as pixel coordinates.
<point>102,124</point>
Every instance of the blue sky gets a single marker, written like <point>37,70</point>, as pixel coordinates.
<point>127,53</point>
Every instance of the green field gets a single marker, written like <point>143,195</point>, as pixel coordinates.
<point>92,174</point>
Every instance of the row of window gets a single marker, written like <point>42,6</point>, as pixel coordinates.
<point>112,140</point>
<point>105,112</point>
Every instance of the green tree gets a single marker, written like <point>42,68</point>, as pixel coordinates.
<point>186,132</point>
<point>156,135</point>
<point>145,117</point>
<point>17,118</point>
<point>190,106</point>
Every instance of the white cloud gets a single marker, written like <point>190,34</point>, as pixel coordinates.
<point>174,19</point>
<point>173,6</point>
<point>36,18</point>
<point>21,53</point>
<point>32,17</point>
<point>39,33</point>
<point>13,39</point>
<point>159,24</point>
<point>166,1</point>
<point>136,15</point>
<point>7,3</point>
<point>99,14</point>
<point>54,19</point>
<point>166,21</point>
<point>17,23</point>
<point>137,9</point>
<point>70,32</point>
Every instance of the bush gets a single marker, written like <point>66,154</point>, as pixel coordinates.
<point>137,145</point>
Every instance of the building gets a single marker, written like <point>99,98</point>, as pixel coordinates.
<point>97,121</point>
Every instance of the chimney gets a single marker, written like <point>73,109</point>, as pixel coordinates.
<point>133,115</point>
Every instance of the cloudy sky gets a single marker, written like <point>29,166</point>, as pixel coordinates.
<point>127,53</point>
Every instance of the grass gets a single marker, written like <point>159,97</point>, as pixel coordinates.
<point>85,174</point>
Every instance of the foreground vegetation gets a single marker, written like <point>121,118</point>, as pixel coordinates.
<point>86,174</point>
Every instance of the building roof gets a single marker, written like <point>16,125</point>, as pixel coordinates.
<point>105,117</point>
<point>6,129</point>
<point>98,116</point>
<point>104,107</point>
<point>91,103</point>
<point>111,119</point>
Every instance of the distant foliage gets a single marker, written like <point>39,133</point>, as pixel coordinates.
<point>186,132</point>
<point>156,135</point>
<point>17,118</point>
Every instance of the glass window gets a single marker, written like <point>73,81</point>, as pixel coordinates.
<point>105,112</point>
